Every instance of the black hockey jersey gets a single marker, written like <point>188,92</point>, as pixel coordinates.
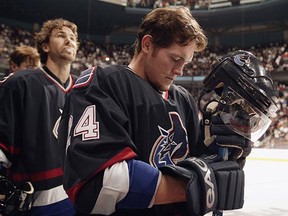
<point>115,131</point>
<point>30,111</point>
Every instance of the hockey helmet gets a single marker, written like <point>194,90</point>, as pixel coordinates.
<point>247,97</point>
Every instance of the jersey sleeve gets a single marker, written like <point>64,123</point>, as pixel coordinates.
<point>100,157</point>
<point>10,122</point>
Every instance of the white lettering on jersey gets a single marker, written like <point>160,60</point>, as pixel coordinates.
<point>87,125</point>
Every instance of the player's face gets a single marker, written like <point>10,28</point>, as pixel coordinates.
<point>29,65</point>
<point>24,65</point>
<point>62,45</point>
<point>163,65</point>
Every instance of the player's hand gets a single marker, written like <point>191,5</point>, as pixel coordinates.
<point>209,183</point>
<point>221,135</point>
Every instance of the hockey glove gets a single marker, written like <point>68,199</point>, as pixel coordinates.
<point>217,134</point>
<point>212,185</point>
<point>17,199</point>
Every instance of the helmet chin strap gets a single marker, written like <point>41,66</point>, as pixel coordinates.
<point>211,108</point>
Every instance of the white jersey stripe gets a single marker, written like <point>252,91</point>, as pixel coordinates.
<point>115,188</point>
<point>50,196</point>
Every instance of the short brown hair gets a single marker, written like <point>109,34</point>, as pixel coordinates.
<point>169,25</point>
<point>24,53</point>
<point>45,33</point>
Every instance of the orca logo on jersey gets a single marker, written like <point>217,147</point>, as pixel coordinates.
<point>172,144</point>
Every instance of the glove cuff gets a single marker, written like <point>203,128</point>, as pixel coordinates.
<point>208,196</point>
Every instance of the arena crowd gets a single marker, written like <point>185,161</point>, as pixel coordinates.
<point>274,56</point>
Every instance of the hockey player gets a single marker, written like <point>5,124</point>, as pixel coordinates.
<point>31,106</point>
<point>125,128</point>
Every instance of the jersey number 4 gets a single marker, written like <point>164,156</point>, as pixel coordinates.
<point>87,125</point>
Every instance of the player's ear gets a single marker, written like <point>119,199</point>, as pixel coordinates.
<point>45,47</point>
<point>147,43</point>
<point>13,66</point>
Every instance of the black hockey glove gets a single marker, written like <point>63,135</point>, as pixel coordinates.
<point>217,134</point>
<point>212,185</point>
<point>17,198</point>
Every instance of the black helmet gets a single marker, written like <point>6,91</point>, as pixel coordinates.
<point>242,83</point>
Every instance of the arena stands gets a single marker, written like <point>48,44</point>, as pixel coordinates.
<point>274,56</point>
<point>192,4</point>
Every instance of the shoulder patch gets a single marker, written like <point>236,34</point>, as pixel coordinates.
<point>85,77</point>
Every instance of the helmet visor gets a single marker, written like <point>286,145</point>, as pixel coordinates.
<point>242,117</point>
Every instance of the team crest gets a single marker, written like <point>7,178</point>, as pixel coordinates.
<point>242,59</point>
<point>171,145</point>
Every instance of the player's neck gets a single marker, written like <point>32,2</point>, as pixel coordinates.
<point>136,66</point>
<point>62,71</point>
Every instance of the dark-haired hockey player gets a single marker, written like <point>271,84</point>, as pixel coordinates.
<point>130,135</point>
